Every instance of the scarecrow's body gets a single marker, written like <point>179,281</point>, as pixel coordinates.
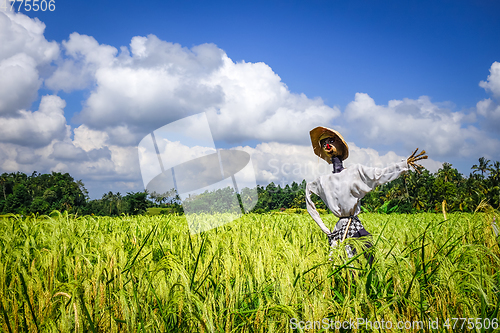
<point>343,190</point>
<point>342,193</point>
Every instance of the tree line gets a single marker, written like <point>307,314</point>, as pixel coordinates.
<point>412,192</point>
<point>446,189</point>
<point>44,193</point>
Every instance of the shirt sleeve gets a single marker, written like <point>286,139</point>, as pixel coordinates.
<point>313,187</point>
<point>374,177</point>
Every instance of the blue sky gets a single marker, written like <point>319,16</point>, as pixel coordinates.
<point>332,49</point>
<point>348,58</point>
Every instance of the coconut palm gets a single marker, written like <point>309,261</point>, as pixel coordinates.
<point>447,172</point>
<point>495,172</point>
<point>483,166</point>
<point>3,179</point>
<point>494,184</point>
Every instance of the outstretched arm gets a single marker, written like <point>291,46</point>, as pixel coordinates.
<point>312,187</point>
<point>373,177</point>
<point>414,158</point>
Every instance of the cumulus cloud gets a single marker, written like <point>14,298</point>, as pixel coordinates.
<point>89,139</point>
<point>39,128</point>
<point>284,163</point>
<point>258,105</point>
<point>416,123</point>
<point>24,53</point>
<point>106,169</point>
<point>26,156</point>
<point>84,57</point>
<point>488,108</point>
<point>20,83</point>
<point>65,151</point>
<point>134,90</point>
<point>158,82</point>
<point>492,83</point>
<point>21,34</point>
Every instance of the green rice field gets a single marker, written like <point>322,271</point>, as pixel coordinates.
<point>260,273</point>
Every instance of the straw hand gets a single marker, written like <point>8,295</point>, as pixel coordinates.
<point>414,158</point>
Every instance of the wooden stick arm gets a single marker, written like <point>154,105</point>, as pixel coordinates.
<point>414,158</point>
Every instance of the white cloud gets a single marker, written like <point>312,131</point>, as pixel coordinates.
<point>21,34</point>
<point>89,139</point>
<point>135,90</point>
<point>257,105</point>
<point>109,168</point>
<point>85,57</point>
<point>19,82</point>
<point>25,155</point>
<point>284,163</point>
<point>490,110</point>
<point>159,82</point>
<point>24,53</point>
<point>143,98</point>
<point>416,123</point>
<point>66,151</point>
<point>156,84</point>
<point>125,162</point>
<point>492,84</point>
<point>39,128</point>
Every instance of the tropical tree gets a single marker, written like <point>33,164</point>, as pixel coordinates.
<point>495,172</point>
<point>3,180</point>
<point>137,202</point>
<point>494,184</point>
<point>448,173</point>
<point>483,166</point>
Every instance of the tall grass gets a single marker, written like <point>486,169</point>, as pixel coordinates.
<point>62,273</point>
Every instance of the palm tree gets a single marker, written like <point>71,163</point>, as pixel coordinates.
<point>3,179</point>
<point>495,172</point>
<point>494,184</point>
<point>447,172</point>
<point>484,165</point>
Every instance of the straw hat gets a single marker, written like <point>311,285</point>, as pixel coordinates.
<point>320,133</point>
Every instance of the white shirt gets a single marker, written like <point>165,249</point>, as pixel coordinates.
<point>343,191</point>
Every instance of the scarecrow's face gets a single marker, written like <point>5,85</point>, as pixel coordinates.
<point>331,146</point>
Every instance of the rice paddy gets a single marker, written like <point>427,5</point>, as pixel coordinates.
<point>260,273</point>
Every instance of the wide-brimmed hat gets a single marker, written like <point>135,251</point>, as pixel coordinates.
<point>320,133</point>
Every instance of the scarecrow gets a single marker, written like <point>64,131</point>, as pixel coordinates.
<point>343,189</point>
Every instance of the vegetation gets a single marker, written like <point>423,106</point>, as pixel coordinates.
<point>44,193</point>
<point>102,266</point>
<point>412,192</point>
<point>40,193</point>
<point>63,273</point>
<point>111,204</point>
<point>427,192</point>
